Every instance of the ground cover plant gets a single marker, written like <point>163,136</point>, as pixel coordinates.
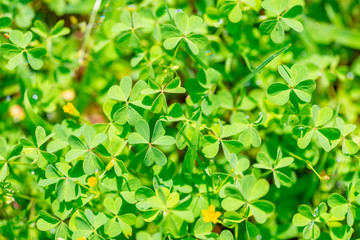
<point>229,119</point>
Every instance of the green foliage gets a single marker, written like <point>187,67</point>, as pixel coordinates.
<point>180,119</point>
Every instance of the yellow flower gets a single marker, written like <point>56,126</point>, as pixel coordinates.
<point>210,215</point>
<point>70,109</point>
<point>81,238</point>
<point>92,181</point>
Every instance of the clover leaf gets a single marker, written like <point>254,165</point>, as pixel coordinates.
<point>142,136</point>
<point>211,147</point>
<point>163,200</point>
<point>341,207</point>
<point>349,146</point>
<point>58,30</point>
<point>118,223</point>
<point>8,155</point>
<point>160,104</point>
<point>47,221</point>
<point>184,31</point>
<point>42,157</point>
<point>264,162</point>
<point>129,96</point>
<point>248,133</point>
<point>320,116</point>
<point>18,49</point>
<point>297,89</point>
<point>66,179</point>
<point>308,218</point>
<point>79,148</point>
<point>275,26</point>
<point>88,224</point>
<point>127,27</point>
<point>246,197</point>
<point>234,8</point>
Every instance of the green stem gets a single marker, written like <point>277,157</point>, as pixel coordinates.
<point>167,10</point>
<point>176,50</point>
<point>245,80</point>
<point>308,163</point>
<point>88,29</point>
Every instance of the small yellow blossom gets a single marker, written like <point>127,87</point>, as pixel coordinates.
<point>70,109</point>
<point>81,238</point>
<point>92,181</point>
<point>210,215</point>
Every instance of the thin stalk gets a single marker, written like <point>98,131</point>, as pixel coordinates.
<point>88,29</point>
<point>308,163</point>
<point>245,80</point>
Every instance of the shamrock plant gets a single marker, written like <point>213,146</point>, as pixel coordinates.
<point>308,218</point>
<point>341,207</point>
<point>248,133</point>
<point>211,148</point>
<point>91,163</point>
<point>42,157</point>
<point>142,136</point>
<point>129,96</point>
<point>17,51</point>
<point>348,145</point>
<point>48,221</point>
<point>317,129</point>
<point>158,120</point>
<point>246,197</point>
<point>126,28</point>
<point>58,30</point>
<point>264,162</point>
<point>118,223</point>
<point>160,104</point>
<point>276,26</point>
<point>184,30</point>
<point>298,88</point>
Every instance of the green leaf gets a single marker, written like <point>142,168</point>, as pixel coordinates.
<point>260,210</point>
<point>278,34</point>
<point>4,172</point>
<point>276,6</point>
<point>304,141</point>
<point>113,228</point>
<point>20,39</point>
<point>154,155</point>
<point>171,43</point>
<point>169,31</point>
<point>142,127</point>
<point>5,21</point>
<point>294,24</point>
<point>36,119</point>
<point>67,190</point>
<point>113,205</point>
<point>278,93</point>
<point>267,26</point>
<point>226,235</point>
<point>235,14</point>
<point>300,220</point>
<point>92,163</point>
<point>201,228</point>
<point>293,12</point>
<point>251,230</point>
